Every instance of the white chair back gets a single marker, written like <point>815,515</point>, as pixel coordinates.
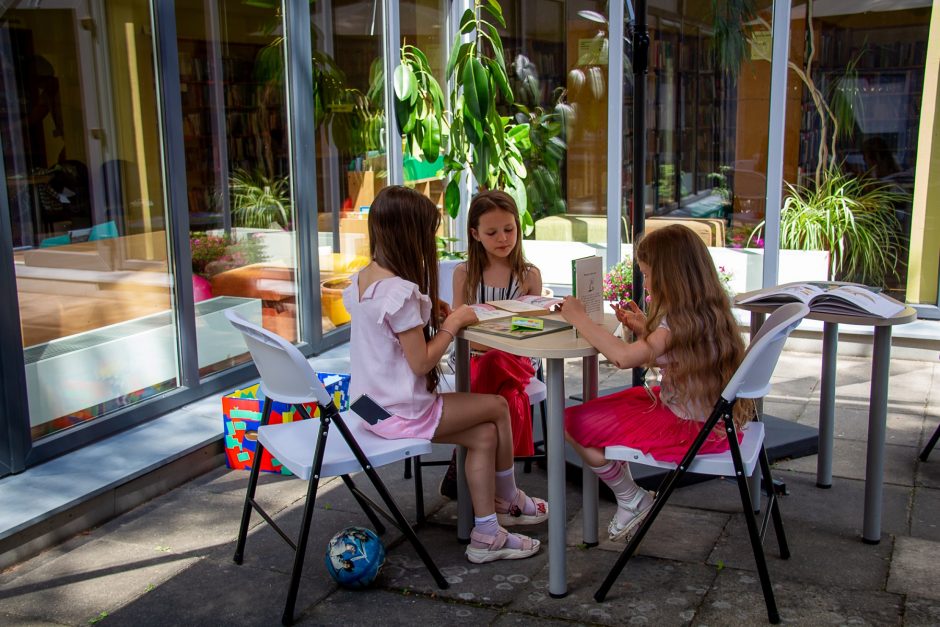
<point>285,373</point>
<point>752,378</point>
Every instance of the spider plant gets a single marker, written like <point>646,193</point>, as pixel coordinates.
<point>853,218</point>
<point>258,201</point>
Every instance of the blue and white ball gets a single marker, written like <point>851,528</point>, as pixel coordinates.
<point>354,557</point>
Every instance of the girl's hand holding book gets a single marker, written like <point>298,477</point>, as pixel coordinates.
<point>572,309</point>
<point>461,317</point>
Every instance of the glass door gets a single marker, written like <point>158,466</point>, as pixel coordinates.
<point>81,148</point>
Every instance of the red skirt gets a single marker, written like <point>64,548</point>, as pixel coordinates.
<point>631,418</point>
<point>496,372</point>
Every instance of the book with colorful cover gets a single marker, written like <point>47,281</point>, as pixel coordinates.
<point>504,327</point>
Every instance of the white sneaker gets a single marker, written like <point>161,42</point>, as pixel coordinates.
<point>622,527</point>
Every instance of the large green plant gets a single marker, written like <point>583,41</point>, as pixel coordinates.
<point>853,218</point>
<point>475,137</point>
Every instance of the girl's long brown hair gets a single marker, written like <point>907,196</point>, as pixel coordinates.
<point>402,224</point>
<point>705,346</point>
<point>482,203</point>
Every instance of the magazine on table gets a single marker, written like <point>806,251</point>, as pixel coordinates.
<point>506,328</point>
<point>833,297</point>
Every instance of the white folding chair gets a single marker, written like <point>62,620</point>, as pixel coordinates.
<point>751,380</point>
<point>304,448</point>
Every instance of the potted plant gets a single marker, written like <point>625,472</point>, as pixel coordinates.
<point>259,201</point>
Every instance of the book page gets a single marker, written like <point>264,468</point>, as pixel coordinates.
<point>516,306</point>
<point>788,292</point>
<point>488,312</point>
<point>588,285</point>
<point>859,299</point>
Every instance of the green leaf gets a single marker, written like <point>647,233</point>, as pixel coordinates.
<point>476,88</point>
<point>452,197</point>
<point>405,83</point>
<point>452,60</point>
<point>493,8</point>
<point>431,145</point>
<point>499,77</point>
<point>497,42</point>
<point>467,22</point>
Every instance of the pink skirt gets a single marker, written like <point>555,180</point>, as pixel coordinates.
<point>631,418</point>
<point>398,427</point>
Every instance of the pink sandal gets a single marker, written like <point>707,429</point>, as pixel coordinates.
<point>511,514</point>
<point>496,549</point>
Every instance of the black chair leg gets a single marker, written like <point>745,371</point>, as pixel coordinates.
<point>301,548</point>
<point>774,505</point>
<point>407,468</point>
<point>252,486</point>
<point>752,529</point>
<point>379,485</point>
<point>379,527</point>
<point>419,491</point>
<point>932,443</point>
<point>667,487</point>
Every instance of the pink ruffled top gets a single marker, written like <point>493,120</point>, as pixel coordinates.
<point>388,306</point>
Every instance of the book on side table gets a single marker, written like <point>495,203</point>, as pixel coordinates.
<point>528,305</point>
<point>506,327</point>
<point>852,299</point>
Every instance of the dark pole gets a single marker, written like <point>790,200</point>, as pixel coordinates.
<point>641,44</point>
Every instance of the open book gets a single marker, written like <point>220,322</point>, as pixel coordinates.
<point>833,297</point>
<point>529,305</point>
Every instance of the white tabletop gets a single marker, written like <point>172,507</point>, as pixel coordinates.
<point>559,345</point>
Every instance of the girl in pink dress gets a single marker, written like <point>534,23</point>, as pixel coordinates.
<point>692,336</point>
<point>396,343</point>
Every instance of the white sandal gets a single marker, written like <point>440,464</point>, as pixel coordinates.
<point>511,514</point>
<point>496,548</point>
<point>622,531</point>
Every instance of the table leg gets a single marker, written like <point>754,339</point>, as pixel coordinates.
<point>557,512</point>
<point>827,404</point>
<point>877,417</point>
<point>464,504</point>
<point>588,478</point>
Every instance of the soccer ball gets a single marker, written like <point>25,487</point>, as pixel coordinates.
<point>354,557</point>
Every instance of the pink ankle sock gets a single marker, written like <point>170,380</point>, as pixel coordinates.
<point>488,525</point>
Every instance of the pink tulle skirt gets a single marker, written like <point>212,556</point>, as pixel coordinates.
<point>631,418</point>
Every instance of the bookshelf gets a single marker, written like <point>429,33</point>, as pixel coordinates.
<point>237,124</point>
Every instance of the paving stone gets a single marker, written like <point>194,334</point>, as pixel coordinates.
<point>679,533</point>
<point>814,549</point>
<point>512,618</point>
<point>369,608</point>
<point>840,508</point>
<point>920,612</point>
<point>927,473</point>
<point>215,593</point>
<point>97,577</point>
<point>22,621</point>
<point>736,599</point>
<point>187,522</point>
<point>264,548</point>
<point>914,568</point>
<point>649,591</point>
<point>925,514</point>
<point>851,423</point>
<point>785,409</point>
<point>492,584</point>
<point>848,461</point>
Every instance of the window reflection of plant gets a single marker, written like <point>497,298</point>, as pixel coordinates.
<point>852,218</point>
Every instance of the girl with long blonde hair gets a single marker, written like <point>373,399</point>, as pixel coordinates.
<point>691,335</point>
